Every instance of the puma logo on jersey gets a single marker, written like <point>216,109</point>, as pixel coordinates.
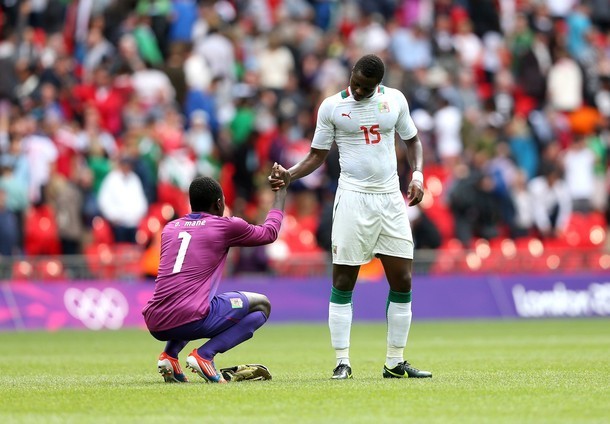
<point>347,114</point>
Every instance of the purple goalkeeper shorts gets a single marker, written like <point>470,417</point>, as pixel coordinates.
<point>226,310</point>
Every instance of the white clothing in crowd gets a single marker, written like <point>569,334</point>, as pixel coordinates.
<point>121,199</point>
<point>579,174</point>
<point>565,85</point>
<point>545,199</point>
<point>447,128</point>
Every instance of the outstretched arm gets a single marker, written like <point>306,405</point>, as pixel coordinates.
<point>280,174</point>
<point>314,159</point>
<point>415,156</point>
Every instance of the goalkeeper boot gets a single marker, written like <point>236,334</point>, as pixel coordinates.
<point>404,370</point>
<point>205,368</point>
<point>254,372</point>
<point>170,369</point>
<point>342,372</point>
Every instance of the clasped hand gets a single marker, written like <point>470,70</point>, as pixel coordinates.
<point>279,177</point>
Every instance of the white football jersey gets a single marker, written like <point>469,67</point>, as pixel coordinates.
<point>364,133</point>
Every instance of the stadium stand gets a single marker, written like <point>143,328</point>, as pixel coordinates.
<point>502,94</point>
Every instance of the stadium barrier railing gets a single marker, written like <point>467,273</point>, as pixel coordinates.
<point>126,265</point>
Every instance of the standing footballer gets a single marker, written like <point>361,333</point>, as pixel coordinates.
<point>370,215</point>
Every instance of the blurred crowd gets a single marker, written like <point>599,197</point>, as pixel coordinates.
<point>104,102</point>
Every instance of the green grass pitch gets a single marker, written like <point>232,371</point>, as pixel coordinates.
<point>484,372</point>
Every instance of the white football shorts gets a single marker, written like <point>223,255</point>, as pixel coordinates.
<point>368,224</point>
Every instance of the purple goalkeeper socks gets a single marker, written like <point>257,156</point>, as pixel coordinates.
<point>235,335</point>
<point>173,347</point>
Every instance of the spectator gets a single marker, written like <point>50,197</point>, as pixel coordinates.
<point>579,169</point>
<point>8,228</point>
<point>94,134</point>
<point>189,87</point>
<point>468,46</point>
<point>27,83</point>
<point>101,102</point>
<point>598,143</point>
<point>127,59</point>
<point>148,43</point>
<point>182,21</point>
<point>523,203</point>
<point>534,65</point>
<point>41,155</point>
<point>552,206</point>
<point>472,204</point>
<point>174,68</point>
<point>200,140</point>
<point>159,12</point>
<point>411,47</point>
<point>578,24</point>
<point>122,200</point>
<point>99,50</point>
<point>67,201</point>
<point>218,52</point>
<point>565,82</point>
<point>523,146</point>
<point>177,168</point>
<point>15,194</point>
<point>153,87</point>
<point>447,124</point>
<point>275,64</point>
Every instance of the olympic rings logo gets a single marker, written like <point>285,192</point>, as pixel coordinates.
<point>97,308</point>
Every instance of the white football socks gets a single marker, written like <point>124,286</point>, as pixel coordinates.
<point>340,324</point>
<point>399,322</point>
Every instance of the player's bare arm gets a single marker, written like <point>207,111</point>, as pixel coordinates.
<point>314,159</point>
<point>415,156</point>
<point>279,174</point>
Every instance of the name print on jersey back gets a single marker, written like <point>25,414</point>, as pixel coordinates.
<point>194,223</point>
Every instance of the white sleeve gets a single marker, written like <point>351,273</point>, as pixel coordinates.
<point>325,128</point>
<point>405,127</point>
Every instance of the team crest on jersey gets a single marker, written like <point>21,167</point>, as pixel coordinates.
<point>384,107</point>
<point>237,303</point>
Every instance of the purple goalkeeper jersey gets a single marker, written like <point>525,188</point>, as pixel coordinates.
<point>194,250</point>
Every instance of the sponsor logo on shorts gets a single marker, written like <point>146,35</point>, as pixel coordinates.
<point>334,249</point>
<point>237,303</point>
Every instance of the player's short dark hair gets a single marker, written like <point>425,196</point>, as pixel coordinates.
<point>371,66</point>
<point>203,192</point>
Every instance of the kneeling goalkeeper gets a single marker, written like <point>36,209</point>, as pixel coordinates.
<point>184,305</point>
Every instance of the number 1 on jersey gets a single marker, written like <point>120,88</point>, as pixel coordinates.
<point>373,130</point>
<point>184,245</point>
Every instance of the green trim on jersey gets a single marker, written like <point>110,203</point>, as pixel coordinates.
<point>381,89</point>
<point>344,94</point>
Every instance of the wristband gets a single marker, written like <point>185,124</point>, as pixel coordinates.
<point>418,176</point>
